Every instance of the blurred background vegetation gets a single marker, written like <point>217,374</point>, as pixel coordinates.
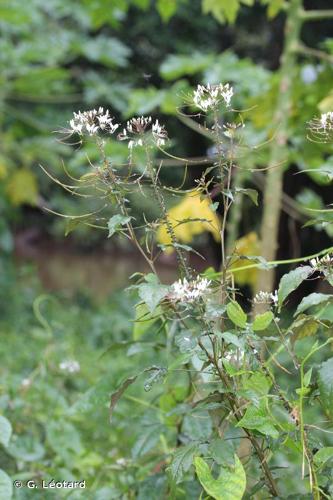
<point>134,57</point>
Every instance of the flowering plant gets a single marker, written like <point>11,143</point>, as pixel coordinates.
<point>247,385</point>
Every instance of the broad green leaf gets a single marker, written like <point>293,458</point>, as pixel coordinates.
<point>198,426</point>
<point>236,314</point>
<point>144,319</point>
<point>325,384</point>
<point>176,66</point>
<point>312,300</point>
<point>22,187</point>
<point>255,387</point>
<point>289,282</point>
<point>259,419</point>
<point>25,448</point>
<point>64,439</point>
<point>5,431</point>
<point>230,485</point>
<point>303,326</point>
<point>323,455</point>
<point>152,292</point>
<point>181,462</point>
<point>104,49</point>
<point>6,486</point>
<point>262,321</point>
<point>166,8</point>
<point>231,338</point>
<point>222,10</point>
<point>116,222</point>
<point>222,451</point>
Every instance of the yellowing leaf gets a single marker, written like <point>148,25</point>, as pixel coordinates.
<point>192,216</point>
<point>247,245</point>
<point>230,485</point>
<point>22,187</point>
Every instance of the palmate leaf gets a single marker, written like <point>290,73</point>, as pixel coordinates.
<point>181,462</point>
<point>230,485</point>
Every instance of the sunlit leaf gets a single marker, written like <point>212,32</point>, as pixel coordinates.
<point>230,485</point>
<point>313,299</point>
<point>262,321</point>
<point>236,314</point>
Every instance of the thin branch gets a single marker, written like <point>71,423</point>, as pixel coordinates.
<point>316,15</point>
<point>319,54</point>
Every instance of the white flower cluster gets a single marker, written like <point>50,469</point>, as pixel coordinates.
<point>139,130</point>
<point>70,366</point>
<point>209,96</point>
<point>93,121</point>
<point>323,264</point>
<point>322,128</point>
<point>189,291</point>
<point>266,298</point>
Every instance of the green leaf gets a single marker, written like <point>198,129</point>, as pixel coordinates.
<point>166,8</point>
<point>259,419</point>
<point>255,387</point>
<point>116,222</point>
<point>222,10</point>
<point>181,462</point>
<point>176,66</point>
<point>325,384</point>
<point>223,452</point>
<point>323,455</point>
<point>64,439</point>
<point>262,321</point>
<point>6,486</point>
<point>152,292</point>
<point>230,485</point>
<point>303,326</point>
<point>289,282</point>
<point>5,431</point>
<point>312,300</point>
<point>307,378</point>
<point>251,193</point>
<point>236,314</point>
<point>144,319</point>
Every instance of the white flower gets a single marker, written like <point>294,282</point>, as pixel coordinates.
<point>189,291</point>
<point>266,298</point>
<point>210,96</point>
<point>26,382</point>
<point>93,121</point>
<point>141,131</point>
<point>323,264</point>
<point>70,366</point>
